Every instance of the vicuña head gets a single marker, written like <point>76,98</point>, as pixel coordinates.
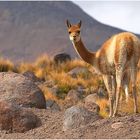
<point>75,37</point>
<point>74,31</point>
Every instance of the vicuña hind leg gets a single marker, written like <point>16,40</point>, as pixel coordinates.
<point>118,80</point>
<point>110,85</point>
<point>133,78</point>
<point>125,84</point>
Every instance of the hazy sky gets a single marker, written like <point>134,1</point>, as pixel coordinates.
<point>122,14</point>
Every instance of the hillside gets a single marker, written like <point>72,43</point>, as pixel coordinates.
<point>28,29</point>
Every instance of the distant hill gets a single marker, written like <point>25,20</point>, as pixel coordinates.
<point>29,29</point>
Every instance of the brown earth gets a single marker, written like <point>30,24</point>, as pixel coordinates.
<point>126,126</point>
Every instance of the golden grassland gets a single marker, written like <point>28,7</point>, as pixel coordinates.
<point>45,69</point>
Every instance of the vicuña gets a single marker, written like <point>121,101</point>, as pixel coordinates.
<point>117,57</point>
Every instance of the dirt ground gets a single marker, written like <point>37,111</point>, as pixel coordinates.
<point>127,126</point>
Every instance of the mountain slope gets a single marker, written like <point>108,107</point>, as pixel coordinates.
<point>28,29</point>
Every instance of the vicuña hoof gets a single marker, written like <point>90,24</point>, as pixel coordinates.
<point>114,115</point>
<point>136,111</point>
<point>110,115</point>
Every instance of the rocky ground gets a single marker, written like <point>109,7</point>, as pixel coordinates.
<point>24,114</point>
<point>52,127</point>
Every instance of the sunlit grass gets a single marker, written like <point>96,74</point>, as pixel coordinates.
<point>49,95</point>
<point>6,65</point>
<point>43,61</point>
<point>23,67</point>
<point>104,105</point>
<point>129,106</point>
<point>45,69</point>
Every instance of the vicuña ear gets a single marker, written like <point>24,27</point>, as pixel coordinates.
<point>79,24</point>
<point>68,24</point>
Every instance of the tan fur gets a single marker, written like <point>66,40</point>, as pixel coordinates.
<point>117,57</point>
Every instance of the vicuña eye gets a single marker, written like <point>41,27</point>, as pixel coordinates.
<point>69,32</point>
<point>78,32</point>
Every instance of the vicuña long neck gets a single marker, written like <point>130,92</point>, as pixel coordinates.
<point>85,54</point>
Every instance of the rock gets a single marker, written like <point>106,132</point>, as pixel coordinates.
<point>20,90</point>
<point>49,83</point>
<point>92,98</point>
<point>73,95</point>
<point>92,107</point>
<point>54,90</point>
<point>90,103</point>
<point>102,93</point>
<point>117,125</point>
<point>79,70</point>
<point>61,58</point>
<point>72,98</point>
<point>77,116</point>
<point>86,91</point>
<point>51,104</point>
<point>92,90</point>
<point>16,119</point>
<point>31,76</point>
<point>24,121</point>
<point>81,90</point>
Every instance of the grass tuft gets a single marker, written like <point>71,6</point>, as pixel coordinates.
<point>6,65</point>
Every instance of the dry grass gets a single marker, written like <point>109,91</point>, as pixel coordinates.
<point>6,65</point>
<point>44,68</point>
<point>69,65</point>
<point>129,107</point>
<point>23,67</point>
<point>43,61</point>
<point>104,106</point>
<point>49,95</point>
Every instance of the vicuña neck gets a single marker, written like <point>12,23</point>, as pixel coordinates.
<point>85,54</point>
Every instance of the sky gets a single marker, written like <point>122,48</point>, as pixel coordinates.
<point>121,14</point>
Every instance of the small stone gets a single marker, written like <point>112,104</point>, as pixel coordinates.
<point>78,116</point>
<point>61,58</point>
<point>72,98</point>
<point>92,98</point>
<point>51,104</point>
<point>117,125</point>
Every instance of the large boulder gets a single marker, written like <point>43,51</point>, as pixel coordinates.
<point>77,116</point>
<point>14,118</point>
<point>20,90</point>
<point>61,58</point>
